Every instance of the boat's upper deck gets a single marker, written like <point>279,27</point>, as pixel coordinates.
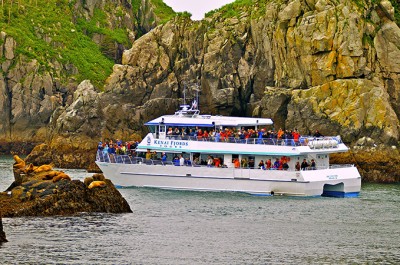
<point>191,117</point>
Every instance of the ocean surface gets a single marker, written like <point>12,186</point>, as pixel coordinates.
<point>177,227</point>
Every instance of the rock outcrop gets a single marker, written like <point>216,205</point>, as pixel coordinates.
<point>42,191</point>
<point>33,89</point>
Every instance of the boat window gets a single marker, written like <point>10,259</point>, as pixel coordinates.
<point>152,128</point>
<point>234,157</point>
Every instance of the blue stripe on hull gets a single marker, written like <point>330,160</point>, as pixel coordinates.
<point>340,194</point>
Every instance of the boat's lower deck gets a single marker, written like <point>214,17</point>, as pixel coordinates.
<point>330,182</point>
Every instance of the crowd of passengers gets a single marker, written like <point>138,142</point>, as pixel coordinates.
<point>211,161</point>
<point>120,147</point>
<point>117,147</point>
<point>221,135</point>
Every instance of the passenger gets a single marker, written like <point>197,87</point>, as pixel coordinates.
<point>304,165</point>
<point>313,166</point>
<point>181,160</point>
<point>277,164</point>
<point>269,164</point>
<point>217,162</point>
<point>170,132</point>
<point>164,157</point>
<point>209,161</point>
<point>205,135</point>
<point>244,163</point>
<point>297,166</point>
<point>285,166</point>
<point>123,149</point>
<point>222,135</point>
<point>236,163</point>
<point>111,149</point>
<point>217,136</point>
<point>148,155</point>
<point>183,134</point>
<point>100,146</point>
<point>105,150</point>
<point>212,135</point>
<point>188,162</point>
<point>176,161</point>
<point>251,163</point>
<point>280,134</point>
<point>296,137</point>
<point>261,165</point>
<point>199,135</point>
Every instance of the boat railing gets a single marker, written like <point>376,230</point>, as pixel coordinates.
<point>127,159</point>
<point>312,142</point>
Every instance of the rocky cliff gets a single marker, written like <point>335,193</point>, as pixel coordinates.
<point>48,47</point>
<point>327,65</point>
<point>308,65</point>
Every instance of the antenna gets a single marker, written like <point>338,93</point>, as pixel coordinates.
<point>184,93</point>
<point>197,89</point>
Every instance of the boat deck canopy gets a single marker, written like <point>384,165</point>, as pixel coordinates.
<point>209,121</point>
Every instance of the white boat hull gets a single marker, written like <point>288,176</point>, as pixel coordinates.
<point>337,182</point>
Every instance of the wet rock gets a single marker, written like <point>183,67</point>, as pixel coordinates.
<point>375,164</point>
<point>42,191</point>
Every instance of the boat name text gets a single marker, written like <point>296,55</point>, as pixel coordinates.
<point>170,143</point>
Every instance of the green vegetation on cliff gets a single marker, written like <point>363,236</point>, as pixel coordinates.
<point>44,30</point>
<point>162,11</point>
<point>235,8</point>
<point>63,32</point>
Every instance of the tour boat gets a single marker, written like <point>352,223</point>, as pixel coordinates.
<point>190,159</point>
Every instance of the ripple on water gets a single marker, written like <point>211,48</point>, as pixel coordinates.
<point>173,227</point>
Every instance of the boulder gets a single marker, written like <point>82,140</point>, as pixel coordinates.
<point>42,191</point>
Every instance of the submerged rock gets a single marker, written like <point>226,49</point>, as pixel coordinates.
<point>42,191</point>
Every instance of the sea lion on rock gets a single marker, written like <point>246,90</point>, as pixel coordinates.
<point>19,163</point>
<point>97,183</point>
<point>29,169</point>
<point>50,175</point>
<point>87,181</point>
<point>43,168</point>
<point>18,159</point>
<point>61,176</point>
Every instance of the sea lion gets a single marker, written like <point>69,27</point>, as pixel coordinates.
<point>97,183</point>
<point>19,163</point>
<point>61,176</point>
<point>50,175</point>
<point>18,159</point>
<point>43,168</point>
<point>30,168</point>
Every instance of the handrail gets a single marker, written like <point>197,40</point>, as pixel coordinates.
<point>122,159</point>
<point>312,142</point>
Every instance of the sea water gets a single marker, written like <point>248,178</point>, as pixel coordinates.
<point>178,227</point>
